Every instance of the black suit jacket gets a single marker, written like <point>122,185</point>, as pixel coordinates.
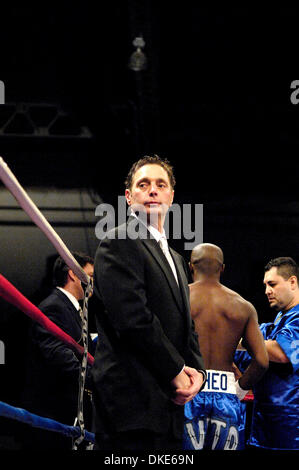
<point>146,335</point>
<point>53,372</point>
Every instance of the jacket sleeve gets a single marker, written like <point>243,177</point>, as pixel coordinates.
<point>194,358</point>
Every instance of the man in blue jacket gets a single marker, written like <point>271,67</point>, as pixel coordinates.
<point>275,420</point>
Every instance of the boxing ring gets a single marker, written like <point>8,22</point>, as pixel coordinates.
<point>9,293</point>
<point>78,433</point>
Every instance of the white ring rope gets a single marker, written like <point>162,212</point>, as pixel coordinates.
<point>37,217</point>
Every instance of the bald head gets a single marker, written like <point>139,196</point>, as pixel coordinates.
<point>207,259</point>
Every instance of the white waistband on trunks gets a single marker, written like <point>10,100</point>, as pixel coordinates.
<point>220,381</point>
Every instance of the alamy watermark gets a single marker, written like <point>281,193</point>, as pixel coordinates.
<point>181,221</point>
<point>2,353</point>
<point>294,97</point>
<point>2,92</point>
<point>295,354</point>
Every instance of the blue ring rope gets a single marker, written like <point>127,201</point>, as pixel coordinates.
<point>24,416</point>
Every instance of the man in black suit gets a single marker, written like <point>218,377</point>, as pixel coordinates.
<point>147,361</point>
<point>53,375</point>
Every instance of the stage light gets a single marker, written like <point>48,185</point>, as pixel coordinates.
<point>138,60</point>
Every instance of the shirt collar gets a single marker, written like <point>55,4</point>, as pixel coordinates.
<point>71,298</point>
<point>153,230</point>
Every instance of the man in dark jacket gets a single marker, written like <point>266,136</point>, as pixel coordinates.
<point>147,359</point>
<point>53,375</point>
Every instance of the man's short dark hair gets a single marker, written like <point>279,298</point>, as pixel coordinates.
<point>286,267</point>
<point>150,160</point>
<point>60,269</point>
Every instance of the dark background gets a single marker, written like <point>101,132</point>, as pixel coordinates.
<point>214,99</point>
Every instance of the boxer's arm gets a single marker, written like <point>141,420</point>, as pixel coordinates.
<point>255,344</point>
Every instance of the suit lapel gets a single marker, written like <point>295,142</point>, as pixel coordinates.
<point>68,304</point>
<point>75,319</point>
<point>153,246</point>
<point>179,292</point>
<point>183,281</point>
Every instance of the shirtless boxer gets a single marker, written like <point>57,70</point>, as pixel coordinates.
<point>214,419</point>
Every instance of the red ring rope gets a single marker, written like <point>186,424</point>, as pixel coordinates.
<point>13,296</point>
